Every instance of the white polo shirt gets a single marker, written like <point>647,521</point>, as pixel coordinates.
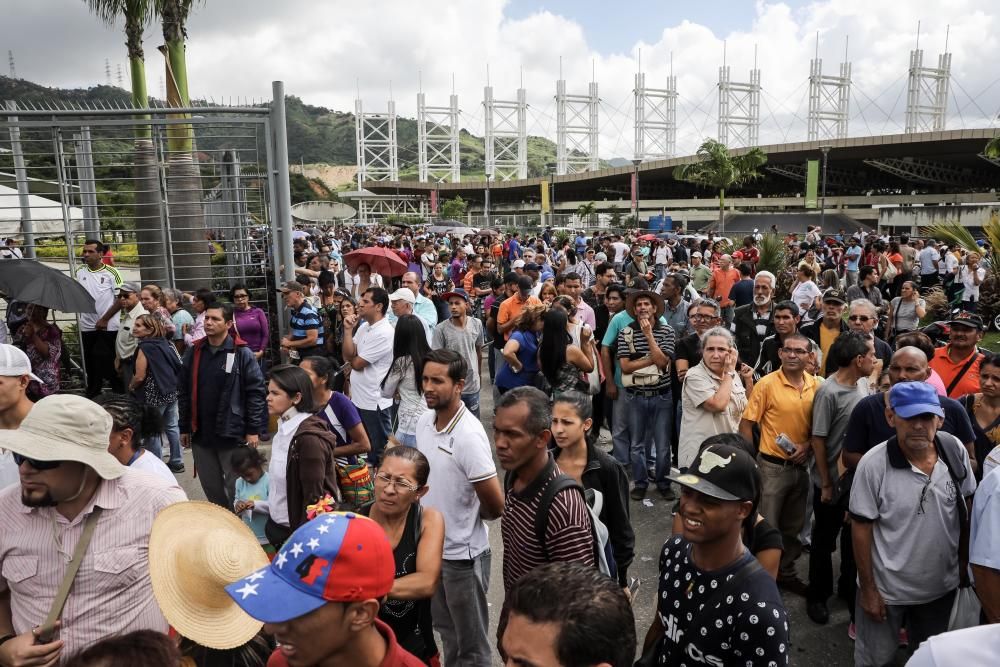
<point>374,344</point>
<point>459,456</point>
<point>102,285</point>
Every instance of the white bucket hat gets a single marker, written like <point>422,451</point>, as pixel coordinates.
<point>15,363</point>
<point>65,427</point>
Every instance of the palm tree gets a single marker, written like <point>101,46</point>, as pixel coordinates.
<point>586,212</point>
<point>192,257</point>
<point>149,237</point>
<point>993,148</point>
<point>719,170</point>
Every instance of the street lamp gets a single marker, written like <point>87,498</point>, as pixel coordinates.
<point>822,207</point>
<point>635,165</point>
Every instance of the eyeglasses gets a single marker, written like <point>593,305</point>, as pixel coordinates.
<point>794,351</point>
<point>923,496</point>
<point>242,296</point>
<point>36,464</point>
<point>860,318</point>
<point>396,482</point>
<point>702,317</point>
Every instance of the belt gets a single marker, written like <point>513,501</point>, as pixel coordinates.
<point>648,392</point>
<point>778,461</point>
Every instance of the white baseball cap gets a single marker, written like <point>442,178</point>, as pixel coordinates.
<point>403,294</point>
<point>518,264</point>
<point>14,363</point>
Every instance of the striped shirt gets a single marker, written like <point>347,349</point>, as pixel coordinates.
<point>568,536</point>
<point>304,320</point>
<point>111,593</point>
<point>664,337</point>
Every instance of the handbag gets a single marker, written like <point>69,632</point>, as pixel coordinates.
<point>354,479</point>
<point>644,377</point>
<point>965,610</point>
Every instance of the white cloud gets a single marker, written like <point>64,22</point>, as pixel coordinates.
<point>323,50</point>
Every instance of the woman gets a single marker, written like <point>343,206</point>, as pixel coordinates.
<point>405,377</point>
<point>895,257</point>
<point>364,280</point>
<point>42,342</point>
<point>971,275</point>
<point>302,469</point>
<point>547,294</point>
<point>810,261</point>
<point>594,469</point>
<point>183,322</point>
<point>200,301</point>
<point>806,294</point>
<point>561,362</point>
<point>131,424</point>
<point>154,384</point>
<point>759,536</point>
<point>984,413</point>
<point>250,322</point>
<point>151,298</point>
<point>905,310</point>
<point>829,280</point>
<point>438,283</point>
<point>521,350</point>
<point>417,537</point>
<point>352,446</point>
<point>714,394</point>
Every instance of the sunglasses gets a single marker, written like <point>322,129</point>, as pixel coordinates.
<point>859,318</point>
<point>36,464</point>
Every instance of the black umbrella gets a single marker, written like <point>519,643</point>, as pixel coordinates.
<point>29,281</point>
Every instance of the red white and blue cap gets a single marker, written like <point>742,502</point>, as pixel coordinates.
<point>336,557</point>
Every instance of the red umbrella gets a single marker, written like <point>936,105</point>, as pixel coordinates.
<point>382,261</point>
<point>648,237</point>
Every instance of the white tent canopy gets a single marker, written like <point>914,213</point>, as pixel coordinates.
<point>46,215</point>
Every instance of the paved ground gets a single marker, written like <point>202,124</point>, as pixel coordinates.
<point>812,645</point>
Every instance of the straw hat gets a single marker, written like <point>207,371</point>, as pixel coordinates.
<point>196,548</point>
<point>648,294</point>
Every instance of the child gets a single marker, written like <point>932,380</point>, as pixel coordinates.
<point>251,492</point>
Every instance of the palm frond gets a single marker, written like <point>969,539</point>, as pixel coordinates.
<point>772,254</point>
<point>993,148</point>
<point>953,232</point>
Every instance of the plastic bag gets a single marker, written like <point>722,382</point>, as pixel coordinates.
<point>965,610</point>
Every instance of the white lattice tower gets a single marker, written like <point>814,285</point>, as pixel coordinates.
<point>506,136</point>
<point>437,142</point>
<point>829,101</point>
<point>375,135</point>
<point>739,110</point>
<point>655,119</point>
<point>927,93</point>
<point>10,64</point>
<point>576,130</point>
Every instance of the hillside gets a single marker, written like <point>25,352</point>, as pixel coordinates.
<point>315,134</point>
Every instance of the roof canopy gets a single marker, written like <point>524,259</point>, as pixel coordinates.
<point>46,215</point>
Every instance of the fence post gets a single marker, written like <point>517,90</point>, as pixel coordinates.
<point>21,176</point>
<point>282,218</point>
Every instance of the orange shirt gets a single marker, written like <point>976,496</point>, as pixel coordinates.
<point>467,282</point>
<point>948,370</point>
<point>722,282</point>
<point>511,308</point>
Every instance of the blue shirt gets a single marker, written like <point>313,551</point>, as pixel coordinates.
<point>305,319</point>
<point>258,491</point>
<point>853,257</point>
<point>527,354</point>
<point>513,250</point>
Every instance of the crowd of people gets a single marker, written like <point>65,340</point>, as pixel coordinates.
<point>780,411</point>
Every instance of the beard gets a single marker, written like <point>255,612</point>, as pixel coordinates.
<point>760,300</point>
<point>46,500</point>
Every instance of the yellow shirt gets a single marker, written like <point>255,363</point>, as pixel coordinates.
<point>826,338</point>
<point>778,407</point>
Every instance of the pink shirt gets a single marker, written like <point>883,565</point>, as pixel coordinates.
<point>112,593</point>
<point>585,313</point>
<point>935,381</point>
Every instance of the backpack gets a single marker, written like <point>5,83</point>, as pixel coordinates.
<point>604,557</point>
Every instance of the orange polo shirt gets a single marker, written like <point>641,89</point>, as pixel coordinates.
<point>948,370</point>
<point>511,308</point>
<point>722,282</point>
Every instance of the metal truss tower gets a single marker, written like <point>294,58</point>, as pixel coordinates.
<point>576,130</point>
<point>375,135</point>
<point>927,93</point>
<point>655,118</point>
<point>829,99</point>
<point>506,136</point>
<point>437,141</point>
<point>739,109</point>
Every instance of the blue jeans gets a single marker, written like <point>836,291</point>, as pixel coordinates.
<point>619,429</point>
<point>168,413</point>
<point>472,403</point>
<point>406,439</point>
<point>378,426</point>
<point>649,418</point>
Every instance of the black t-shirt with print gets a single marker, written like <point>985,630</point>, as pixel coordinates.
<point>748,626</point>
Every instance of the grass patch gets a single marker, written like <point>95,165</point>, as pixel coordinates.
<point>125,253</point>
<point>991,341</point>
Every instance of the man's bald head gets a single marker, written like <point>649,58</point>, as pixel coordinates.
<point>411,281</point>
<point>909,364</point>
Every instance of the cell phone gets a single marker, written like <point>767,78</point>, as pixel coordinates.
<point>633,586</point>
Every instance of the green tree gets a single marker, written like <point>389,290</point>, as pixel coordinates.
<point>993,147</point>
<point>586,212</point>
<point>719,170</point>
<point>452,209</point>
<point>616,216</point>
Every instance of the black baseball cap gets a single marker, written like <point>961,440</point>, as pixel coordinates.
<point>835,296</point>
<point>723,472</point>
<point>967,319</point>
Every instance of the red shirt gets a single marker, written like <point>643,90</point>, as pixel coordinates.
<point>395,655</point>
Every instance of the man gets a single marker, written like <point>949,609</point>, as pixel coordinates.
<point>220,402</point>
<point>15,376</point>
<point>321,595</point>
<point>10,250</point>
<point>423,307</point>
<point>621,252</point>
<point>781,405</point>
<point>462,486</point>
<point>464,335</point>
<point>306,335</point>
<point>644,350</point>
<point>785,322</point>
<point>852,257</point>
<point>826,329</point>
<point>958,362</point>
<point>720,284</point>
<point>604,275</point>
<point>69,480</point>
<point>125,341</point>
<point>867,288</point>
<point>369,352</point>
<point>510,310</point>
<point>613,303</point>
<point>863,317</point>
<point>909,257</point>
<point>853,355</point>
<point>533,271</point>
<point>984,546</point>
<point>909,496</point>
<point>930,264</point>
<point>674,306</point>
<point>741,293</point>
<point>570,285</point>
<point>401,303</point>
<point>521,433</point>
<point>711,609</point>
<point>752,322</point>
<point>593,626</point>
<point>700,274</point>
<point>513,249</point>
<point>509,289</point>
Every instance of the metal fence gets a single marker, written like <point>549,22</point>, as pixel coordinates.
<point>184,198</point>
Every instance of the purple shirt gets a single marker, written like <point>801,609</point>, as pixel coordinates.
<point>341,416</point>
<point>457,269</point>
<point>252,327</point>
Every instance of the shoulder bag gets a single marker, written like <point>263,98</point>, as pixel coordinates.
<point>644,377</point>
<point>47,629</point>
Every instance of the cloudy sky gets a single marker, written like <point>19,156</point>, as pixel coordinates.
<point>326,50</point>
